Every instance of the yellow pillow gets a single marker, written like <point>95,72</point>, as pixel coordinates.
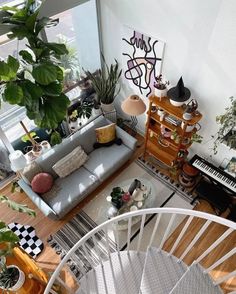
<point>106,134</point>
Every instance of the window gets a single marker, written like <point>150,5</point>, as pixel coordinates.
<point>79,31</point>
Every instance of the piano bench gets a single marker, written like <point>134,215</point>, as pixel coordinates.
<point>214,195</point>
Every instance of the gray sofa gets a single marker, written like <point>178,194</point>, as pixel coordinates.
<point>69,191</point>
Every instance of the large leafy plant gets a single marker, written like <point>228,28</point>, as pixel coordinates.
<point>227,130</point>
<point>105,82</point>
<point>34,81</point>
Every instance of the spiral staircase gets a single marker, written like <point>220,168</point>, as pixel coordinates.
<point>146,268</point>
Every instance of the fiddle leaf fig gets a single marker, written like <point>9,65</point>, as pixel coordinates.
<point>53,89</point>
<point>59,49</point>
<point>44,73</point>
<point>35,81</point>
<point>26,56</point>
<point>13,93</point>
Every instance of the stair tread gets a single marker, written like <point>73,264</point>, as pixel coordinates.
<point>161,272</point>
<point>124,278</point>
<point>194,281</point>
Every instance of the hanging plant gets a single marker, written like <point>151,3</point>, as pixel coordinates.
<point>227,131</point>
<point>35,81</point>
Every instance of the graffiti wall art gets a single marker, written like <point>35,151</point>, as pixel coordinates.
<point>142,60</point>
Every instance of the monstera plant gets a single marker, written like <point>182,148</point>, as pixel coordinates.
<point>35,80</point>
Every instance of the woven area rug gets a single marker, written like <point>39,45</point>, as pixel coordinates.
<point>95,213</point>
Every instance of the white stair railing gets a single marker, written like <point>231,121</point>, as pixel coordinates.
<point>188,215</point>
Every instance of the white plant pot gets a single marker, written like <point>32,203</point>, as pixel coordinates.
<point>96,111</point>
<point>189,128</point>
<point>45,145</point>
<point>161,93</point>
<point>176,103</point>
<point>74,124</point>
<point>108,107</point>
<point>20,281</point>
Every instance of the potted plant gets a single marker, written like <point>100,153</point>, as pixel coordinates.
<point>70,64</point>
<point>105,84</point>
<point>160,86</point>
<point>11,277</point>
<point>35,81</point>
<point>227,131</point>
<point>74,119</point>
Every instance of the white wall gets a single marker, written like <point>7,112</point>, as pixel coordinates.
<point>200,41</point>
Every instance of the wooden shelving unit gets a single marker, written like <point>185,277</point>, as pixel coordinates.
<point>165,149</point>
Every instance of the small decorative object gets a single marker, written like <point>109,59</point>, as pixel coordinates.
<point>18,160</point>
<point>190,109</point>
<point>133,106</point>
<point>153,109</point>
<point>165,132</point>
<point>135,184</point>
<point>227,130</point>
<point>133,208</point>
<point>138,195</point>
<point>140,204</point>
<point>161,113</point>
<point>126,197</point>
<point>112,212</point>
<point>160,87</point>
<point>45,146</point>
<point>74,119</point>
<point>11,278</point>
<point>190,128</point>
<point>178,94</point>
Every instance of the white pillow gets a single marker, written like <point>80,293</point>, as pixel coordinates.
<point>72,161</point>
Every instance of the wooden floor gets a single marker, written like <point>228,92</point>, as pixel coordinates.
<point>48,259</point>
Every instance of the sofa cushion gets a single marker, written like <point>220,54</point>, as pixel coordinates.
<point>72,161</point>
<point>42,183</point>
<point>104,161</point>
<point>30,171</point>
<point>106,133</point>
<point>85,138</point>
<point>70,191</point>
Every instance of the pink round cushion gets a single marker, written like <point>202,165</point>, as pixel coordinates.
<point>42,183</point>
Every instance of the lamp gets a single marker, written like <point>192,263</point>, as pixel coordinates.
<point>133,106</point>
<point>18,160</point>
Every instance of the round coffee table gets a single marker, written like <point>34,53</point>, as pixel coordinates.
<point>147,202</point>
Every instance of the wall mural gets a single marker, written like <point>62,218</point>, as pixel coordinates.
<point>142,59</point>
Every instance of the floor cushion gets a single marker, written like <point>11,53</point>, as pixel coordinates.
<point>70,191</point>
<point>103,161</point>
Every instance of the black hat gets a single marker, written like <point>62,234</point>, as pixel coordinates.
<point>179,93</point>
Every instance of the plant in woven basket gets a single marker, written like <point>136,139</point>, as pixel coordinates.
<point>227,131</point>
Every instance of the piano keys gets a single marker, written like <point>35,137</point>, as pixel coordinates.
<point>214,173</point>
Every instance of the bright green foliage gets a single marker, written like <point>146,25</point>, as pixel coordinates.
<point>36,80</point>
<point>227,131</point>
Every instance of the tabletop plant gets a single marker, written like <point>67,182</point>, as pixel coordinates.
<point>227,130</point>
<point>160,84</point>
<point>35,81</point>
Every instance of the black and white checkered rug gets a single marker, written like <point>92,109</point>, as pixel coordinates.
<point>29,242</point>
